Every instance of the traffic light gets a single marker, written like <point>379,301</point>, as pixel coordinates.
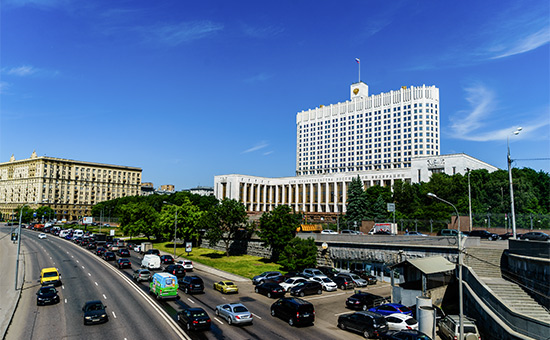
<point>14,236</point>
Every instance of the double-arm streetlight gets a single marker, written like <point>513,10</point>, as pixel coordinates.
<point>459,242</point>
<point>513,212</point>
<point>175,225</point>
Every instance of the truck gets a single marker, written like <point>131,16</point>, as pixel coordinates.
<point>384,229</point>
<point>145,246</point>
<point>164,286</point>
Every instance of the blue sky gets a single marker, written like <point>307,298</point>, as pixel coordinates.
<point>187,90</point>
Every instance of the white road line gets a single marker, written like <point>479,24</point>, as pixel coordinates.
<point>96,284</point>
<point>51,258</point>
<point>82,267</point>
<point>323,297</point>
<point>256,316</point>
<point>77,261</point>
<point>104,297</point>
<point>221,323</point>
<point>62,286</point>
<point>114,315</point>
<point>65,300</point>
<point>191,300</point>
<point>223,297</point>
<point>89,274</point>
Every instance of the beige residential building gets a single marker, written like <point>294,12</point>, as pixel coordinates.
<point>71,188</point>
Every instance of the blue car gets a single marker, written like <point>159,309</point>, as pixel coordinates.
<point>390,308</point>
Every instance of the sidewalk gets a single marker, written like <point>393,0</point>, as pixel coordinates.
<point>10,296</point>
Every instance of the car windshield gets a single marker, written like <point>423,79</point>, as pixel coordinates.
<point>50,274</point>
<point>289,281</point>
<point>240,309</point>
<point>355,277</point>
<point>326,279</point>
<point>95,306</point>
<point>198,314</point>
<point>47,290</point>
<point>411,321</point>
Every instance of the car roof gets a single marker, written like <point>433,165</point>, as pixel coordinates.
<point>400,316</point>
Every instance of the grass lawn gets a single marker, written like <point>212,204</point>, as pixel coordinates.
<point>243,265</point>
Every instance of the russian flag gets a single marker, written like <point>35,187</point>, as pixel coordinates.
<point>358,60</point>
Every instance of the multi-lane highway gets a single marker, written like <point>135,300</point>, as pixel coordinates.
<point>136,315</point>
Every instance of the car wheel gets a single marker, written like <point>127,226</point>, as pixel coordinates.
<point>217,312</point>
<point>229,321</point>
<point>342,287</point>
<point>302,294</point>
<point>320,291</point>
<point>256,290</point>
<point>341,326</point>
<point>490,239</point>
<point>188,327</point>
<point>273,312</point>
<point>291,322</point>
<point>269,295</point>
<point>364,307</point>
<point>366,334</point>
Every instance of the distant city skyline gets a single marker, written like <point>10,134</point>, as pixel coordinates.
<point>187,91</point>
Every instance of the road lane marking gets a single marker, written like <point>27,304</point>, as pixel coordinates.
<point>82,267</point>
<point>221,323</point>
<point>65,300</point>
<point>89,274</point>
<point>96,283</point>
<point>256,316</point>
<point>104,297</point>
<point>323,297</point>
<point>51,258</point>
<point>77,261</point>
<point>191,300</point>
<point>114,315</point>
<point>62,286</point>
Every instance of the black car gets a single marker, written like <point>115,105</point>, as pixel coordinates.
<point>123,252</point>
<point>176,270</point>
<point>100,251</point>
<point>535,236</point>
<point>153,251</point>
<point>362,301</point>
<point>293,310</point>
<point>292,274</point>
<point>484,234</point>
<point>94,312</point>
<point>191,284</point>
<point>91,245</point>
<point>406,334</point>
<point>166,259</point>
<point>109,256</point>
<point>370,324</point>
<point>194,318</point>
<point>506,235</point>
<point>307,288</point>
<point>47,295</point>
<point>270,289</point>
<point>342,282</point>
<point>124,263</point>
<point>329,271</point>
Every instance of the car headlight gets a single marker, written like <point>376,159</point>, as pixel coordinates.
<point>103,315</point>
<point>87,317</point>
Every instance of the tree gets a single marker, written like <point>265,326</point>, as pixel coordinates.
<point>299,254</point>
<point>277,228</point>
<point>223,221</point>
<point>139,218</point>
<point>187,227</point>
<point>26,215</point>
<point>356,208</point>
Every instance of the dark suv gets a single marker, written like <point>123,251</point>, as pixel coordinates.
<point>293,310</point>
<point>307,288</point>
<point>363,301</point>
<point>370,324</point>
<point>192,284</point>
<point>176,270</point>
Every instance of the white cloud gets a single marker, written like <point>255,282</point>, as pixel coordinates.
<point>21,71</point>
<point>524,44</point>
<point>257,147</point>
<point>481,100</point>
<point>268,153</point>
<point>180,33</point>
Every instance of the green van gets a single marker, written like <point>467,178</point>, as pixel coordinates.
<point>164,286</point>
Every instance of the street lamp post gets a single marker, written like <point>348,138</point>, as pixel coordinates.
<point>459,242</point>
<point>175,225</point>
<point>511,185</point>
<point>469,199</point>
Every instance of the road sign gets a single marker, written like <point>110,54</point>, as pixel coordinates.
<point>188,246</point>
<point>112,232</point>
<point>391,207</point>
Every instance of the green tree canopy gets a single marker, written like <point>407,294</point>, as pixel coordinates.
<point>188,219</point>
<point>299,254</point>
<point>277,228</point>
<point>357,205</point>
<point>223,222</point>
<point>139,218</point>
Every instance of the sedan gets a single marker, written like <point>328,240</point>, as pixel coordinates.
<point>399,322</point>
<point>41,236</point>
<point>264,277</point>
<point>307,288</point>
<point>414,233</point>
<point>226,286</point>
<point>94,312</point>
<point>166,259</point>
<point>327,283</point>
<point>371,325</point>
<point>109,256</point>
<point>293,282</point>
<point>123,252</point>
<point>176,270</point>
<point>194,318</point>
<point>124,263</point>
<point>270,289</point>
<point>329,231</point>
<point>100,251</point>
<point>357,281</point>
<point>47,295</point>
<point>535,236</point>
<point>390,308</point>
<point>141,275</point>
<point>484,234</point>
<point>362,301</point>
<point>234,313</point>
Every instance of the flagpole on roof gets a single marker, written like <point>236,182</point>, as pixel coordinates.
<point>359,66</point>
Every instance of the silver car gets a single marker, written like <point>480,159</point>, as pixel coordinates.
<point>234,313</point>
<point>357,281</point>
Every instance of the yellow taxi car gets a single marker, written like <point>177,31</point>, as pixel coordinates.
<point>226,286</point>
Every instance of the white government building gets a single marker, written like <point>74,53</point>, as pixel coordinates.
<point>380,138</point>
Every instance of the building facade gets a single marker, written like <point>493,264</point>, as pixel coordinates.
<point>384,138</point>
<point>383,131</point>
<point>71,188</point>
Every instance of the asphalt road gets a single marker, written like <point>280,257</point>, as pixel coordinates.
<point>135,315</point>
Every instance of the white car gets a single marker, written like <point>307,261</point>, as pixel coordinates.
<point>41,236</point>
<point>398,322</point>
<point>137,248</point>
<point>292,282</point>
<point>328,231</point>
<point>187,265</point>
<point>327,283</point>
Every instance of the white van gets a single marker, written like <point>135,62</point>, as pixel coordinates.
<point>151,261</point>
<point>78,233</point>
<point>63,233</point>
